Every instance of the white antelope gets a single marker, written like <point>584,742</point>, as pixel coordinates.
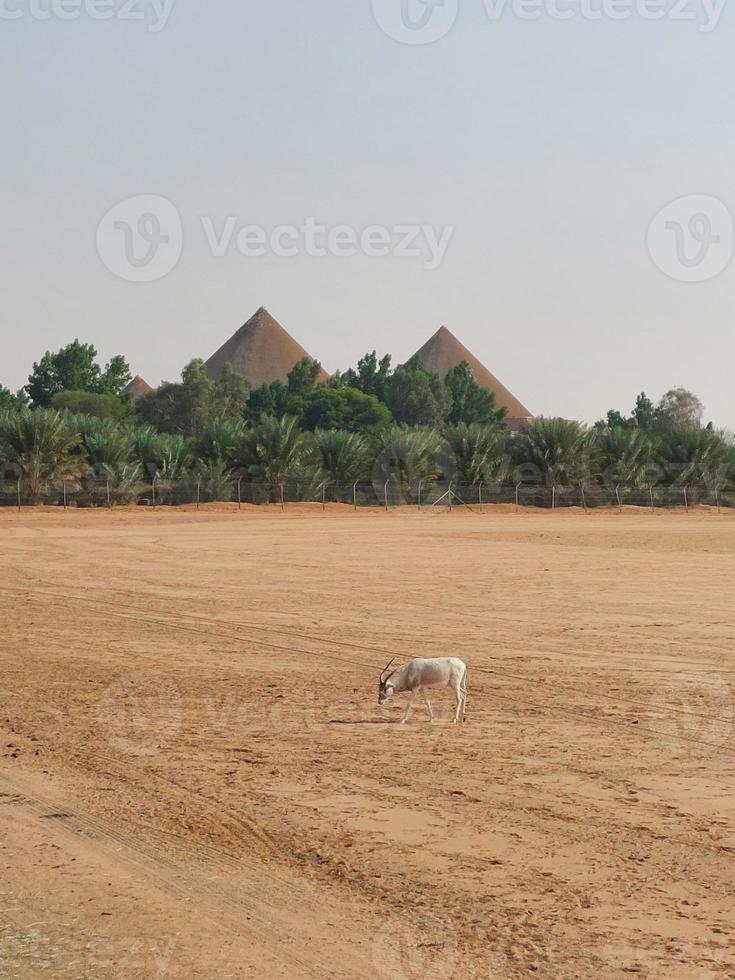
<point>421,674</point>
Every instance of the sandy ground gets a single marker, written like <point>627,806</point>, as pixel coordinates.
<point>196,780</point>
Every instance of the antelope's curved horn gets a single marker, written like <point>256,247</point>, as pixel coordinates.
<point>386,667</point>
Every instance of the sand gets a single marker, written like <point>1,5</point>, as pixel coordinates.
<point>196,780</point>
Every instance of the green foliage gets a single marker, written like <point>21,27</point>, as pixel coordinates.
<point>678,408</point>
<point>553,451</point>
<point>695,456</point>
<point>343,457</point>
<point>40,448</point>
<point>406,457</point>
<point>189,407</point>
<point>624,456</point>
<point>271,399</point>
<point>212,479</point>
<point>10,402</point>
<point>470,402</point>
<point>416,396</point>
<point>272,451</point>
<point>220,441</point>
<point>339,408</point>
<point>74,368</point>
<point>480,453</point>
<point>302,378</point>
<point>371,377</point>
<point>162,455</point>
<point>105,406</point>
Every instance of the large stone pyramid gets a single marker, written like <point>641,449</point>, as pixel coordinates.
<point>137,388</point>
<point>261,351</point>
<point>444,352</point>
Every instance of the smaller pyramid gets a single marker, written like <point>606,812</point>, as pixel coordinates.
<point>261,351</point>
<point>137,388</point>
<point>444,351</point>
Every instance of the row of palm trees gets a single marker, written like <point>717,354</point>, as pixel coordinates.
<point>43,448</point>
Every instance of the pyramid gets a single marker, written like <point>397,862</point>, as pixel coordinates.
<point>137,388</point>
<point>261,351</point>
<point>443,352</point>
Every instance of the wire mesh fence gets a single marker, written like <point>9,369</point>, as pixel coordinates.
<point>95,493</point>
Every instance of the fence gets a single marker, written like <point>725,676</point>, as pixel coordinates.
<point>393,493</point>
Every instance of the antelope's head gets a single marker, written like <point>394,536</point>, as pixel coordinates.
<point>385,688</point>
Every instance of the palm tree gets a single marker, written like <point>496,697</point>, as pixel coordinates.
<point>406,459</point>
<point>697,457</point>
<point>624,456</point>
<point>554,451</point>
<point>220,441</point>
<point>40,448</point>
<point>480,452</point>
<point>110,449</point>
<point>272,450</point>
<point>343,457</point>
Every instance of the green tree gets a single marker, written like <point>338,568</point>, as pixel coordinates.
<point>679,407</point>
<point>220,441</point>
<point>614,420</point>
<point>405,458</point>
<point>416,396</point>
<point>187,408</point>
<point>625,456</point>
<point>302,377</point>
<point>480,453</point>
<point>272,451</point>
<point>10,402</point>
<point>343,457</point>
<point>644,413</point>
<point>105,406</point>
<point>470,402</point>
<point>339,408</point>
<point>40,448</point>
<point>553,451</point>
<point>271,399</point>
<point>371,377</point>
<point>74,368</point>
<point>694,456</point>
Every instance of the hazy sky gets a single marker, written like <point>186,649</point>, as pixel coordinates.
<point>545,147</point>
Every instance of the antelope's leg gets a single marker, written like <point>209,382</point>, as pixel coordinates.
<point>407,712</point>
<point>428,705</point>
<point>458,695</point>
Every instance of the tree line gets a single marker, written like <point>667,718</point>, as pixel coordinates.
<point>405,426</point>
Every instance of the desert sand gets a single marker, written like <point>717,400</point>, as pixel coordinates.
<point>196,780</point>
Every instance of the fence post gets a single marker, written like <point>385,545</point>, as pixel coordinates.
<point>717,499</point>
<point>239,494</point>
<point>479,495</point>
<point>324,497</point>
<point>19,493</point>
<point>283,500</point>
<point>450,496</point>
<point>199,492</point>
<point>109,502</point>
<point>354,494</point>
<point>650,491</point>
<point>518,503</point>
<point>421,483</point>
<point>686,500</point>
<point>553,497</point>
<point>584,499</point>
<point>617,494</point>
<point>153,486</point>
<point>385,494</point>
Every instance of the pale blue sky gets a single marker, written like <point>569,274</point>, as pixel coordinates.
<point>549,146</point>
